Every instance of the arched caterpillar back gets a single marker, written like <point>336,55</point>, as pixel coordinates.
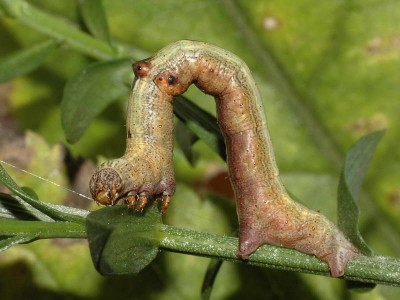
<point>267,215</point>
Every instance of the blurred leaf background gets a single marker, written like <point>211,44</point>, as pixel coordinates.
<point>328,72</point>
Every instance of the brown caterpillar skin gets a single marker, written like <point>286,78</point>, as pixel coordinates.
<point>267,215</point>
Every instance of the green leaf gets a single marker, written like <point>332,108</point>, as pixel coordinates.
<point>88,93</point>
<point>95,19</point>
<point>352,176</point>
<point>14,208</point>
<point>30,192</point>
<point>82,213</point>
<point>212,271</point>
<point>39,205</point>
<point>201,123</point>
<point>25,61</point>
<point>122,241</point>
<point>14,240</point>
<point>10,7</point>
<point>57,28</point>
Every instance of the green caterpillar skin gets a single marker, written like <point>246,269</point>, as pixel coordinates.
<point>267,215</point>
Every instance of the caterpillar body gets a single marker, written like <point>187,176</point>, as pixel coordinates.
<point>267,214</point>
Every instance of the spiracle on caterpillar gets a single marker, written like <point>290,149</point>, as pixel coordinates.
<point>267,214</point>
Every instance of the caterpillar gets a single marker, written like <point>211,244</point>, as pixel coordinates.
<point>266,213</point>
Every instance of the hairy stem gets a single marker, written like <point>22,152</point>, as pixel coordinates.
<point>377,269</point>
<point>43,230</point>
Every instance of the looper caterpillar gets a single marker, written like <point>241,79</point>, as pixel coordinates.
<point>266,212</point>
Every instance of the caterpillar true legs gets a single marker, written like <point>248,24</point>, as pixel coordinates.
<point>266,212</point>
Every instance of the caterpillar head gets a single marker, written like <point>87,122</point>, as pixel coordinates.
<point>105,186</point>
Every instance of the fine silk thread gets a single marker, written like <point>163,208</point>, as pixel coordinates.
<point>45,179</point>
<point>267,214</point>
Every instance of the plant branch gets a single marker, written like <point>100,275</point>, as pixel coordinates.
<point>42,230</point>
<point>376,269</point>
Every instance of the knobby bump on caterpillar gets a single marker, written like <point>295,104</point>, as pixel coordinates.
<point>267,214</point>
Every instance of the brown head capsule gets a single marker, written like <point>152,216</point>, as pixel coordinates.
<point>105,186</point>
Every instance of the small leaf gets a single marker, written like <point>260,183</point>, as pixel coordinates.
<point>30,192</point>
<point>10,7</point>
<point>10,183</point>
<point>18,239</point>
<point>45,208</point>
<point>95,18</point>
<point>88,93</point>
<point>13,208</point>
<point>185,139</point>
<point>83,213</point>
<point>212,271</point>
<point>25,61</point>
<point>201,123</point>
<point>360,287</point>
<point>122,241</point>
<point>352,176</point>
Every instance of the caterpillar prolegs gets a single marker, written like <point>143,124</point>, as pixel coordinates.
<point>267,215</point>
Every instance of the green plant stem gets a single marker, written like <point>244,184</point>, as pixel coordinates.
<point>377,269</point>
<point>42,230</point>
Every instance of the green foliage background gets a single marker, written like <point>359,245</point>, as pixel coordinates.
<point>328,72</point>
